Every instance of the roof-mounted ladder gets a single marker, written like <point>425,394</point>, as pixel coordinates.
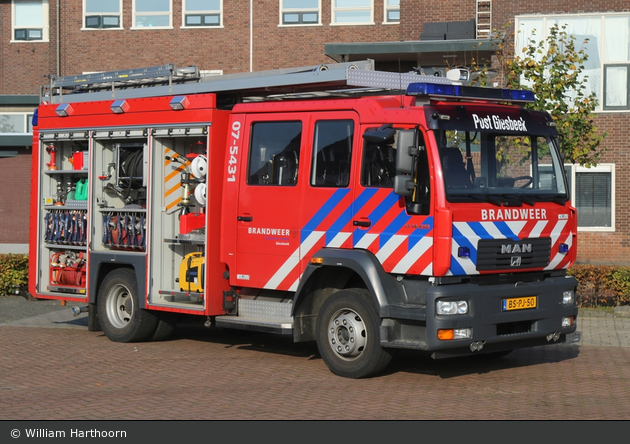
<point>356,78</point>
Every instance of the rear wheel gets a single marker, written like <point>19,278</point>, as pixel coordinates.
<point>167,322</point>
<point>348,335</point>
<point>121,317</point>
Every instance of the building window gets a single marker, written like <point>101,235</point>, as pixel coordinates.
<point>352,12</point>
<point>152,14</point>
<point>617,87</point>
<point>300,12</point>
<point>30,20</point>
<point>392,11</point>
<point>20,123</point>
<point>101,14</point>
<point>593,196</point>
<point>606,40</point>
<point>200,13</point>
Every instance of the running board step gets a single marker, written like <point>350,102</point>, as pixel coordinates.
<point>253,324</point>
<point>257,315</point>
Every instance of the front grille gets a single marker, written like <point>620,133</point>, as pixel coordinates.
<point>514,328</point>
<point>505,254</point>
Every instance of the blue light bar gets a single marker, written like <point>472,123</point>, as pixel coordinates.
<point>470,92</point>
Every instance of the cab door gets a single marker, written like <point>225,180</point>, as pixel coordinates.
<point>269,200</point>
<point>399,234</point>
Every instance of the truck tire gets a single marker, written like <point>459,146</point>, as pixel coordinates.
<point>122,319</point>
<point>167,322</point>
<point>348,335</point>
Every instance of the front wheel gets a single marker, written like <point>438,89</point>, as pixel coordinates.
<point>348,335</point>
<point>121,317</point>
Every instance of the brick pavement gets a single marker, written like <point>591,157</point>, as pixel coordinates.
<point>68,373</point>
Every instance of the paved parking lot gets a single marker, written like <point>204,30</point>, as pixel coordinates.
<point>54,369</point>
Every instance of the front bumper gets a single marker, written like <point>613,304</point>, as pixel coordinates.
<point>492,328</point>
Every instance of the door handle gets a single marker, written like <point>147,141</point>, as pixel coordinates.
<point>362,223</point>
<point>245,218</point>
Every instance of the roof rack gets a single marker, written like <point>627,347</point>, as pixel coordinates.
<point>356,78</point>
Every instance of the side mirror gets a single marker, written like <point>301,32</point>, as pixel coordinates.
<point>379,136</point>
<point>406,151</point>
<point>403,185</point>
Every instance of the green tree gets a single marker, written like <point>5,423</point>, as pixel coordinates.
<point>553,69</point>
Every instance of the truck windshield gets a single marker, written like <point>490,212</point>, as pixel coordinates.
<point>502,169</point>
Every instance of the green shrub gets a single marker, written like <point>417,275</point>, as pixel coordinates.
<point>13,272</point>
<point>601,285</point>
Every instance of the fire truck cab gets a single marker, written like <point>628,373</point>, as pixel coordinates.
<point>365,211</point>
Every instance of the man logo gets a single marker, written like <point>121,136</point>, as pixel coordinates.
<point>516,248</point>
<point>515,261</point>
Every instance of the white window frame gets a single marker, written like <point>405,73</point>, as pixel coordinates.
<point>387,9</point>
<point>205,12</point>
<point>605,105</point>
<point>44,28</point>
<point>601,92</point>
<point>134,14</point>
<point>283,11</point>
<point>102,14</point>
<point>27,120</point>
<point>334,9</point>
<point>600,168</point>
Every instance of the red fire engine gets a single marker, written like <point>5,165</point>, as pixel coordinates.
<point>364,210</point>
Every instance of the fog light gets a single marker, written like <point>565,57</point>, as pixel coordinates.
<point>451,307</point>
<point>567,322</point>
<point>568,297</point>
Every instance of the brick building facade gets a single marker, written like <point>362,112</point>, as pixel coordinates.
<point>226,36</point>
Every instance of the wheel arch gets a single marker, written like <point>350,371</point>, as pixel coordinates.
<point>341,269</point>
<point>101,264</point>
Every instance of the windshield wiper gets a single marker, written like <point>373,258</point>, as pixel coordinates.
<point>522,198</point>
<point>475,196</point>
<point>560,200</point>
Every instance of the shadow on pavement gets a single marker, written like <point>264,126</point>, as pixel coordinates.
<point>403,360</point>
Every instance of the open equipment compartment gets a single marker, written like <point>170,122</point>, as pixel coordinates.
<point>63,213</point>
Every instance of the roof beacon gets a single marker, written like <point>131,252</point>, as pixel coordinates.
<point>470,92</point>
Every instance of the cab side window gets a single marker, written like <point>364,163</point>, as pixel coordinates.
<point>378,168</point>
<point>332,150</point>
<point>274,153</point>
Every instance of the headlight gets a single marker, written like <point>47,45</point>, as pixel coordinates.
<point>451,307</point>
<point>568,297</point>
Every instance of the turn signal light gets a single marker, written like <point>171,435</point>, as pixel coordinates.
<point>446,334</point>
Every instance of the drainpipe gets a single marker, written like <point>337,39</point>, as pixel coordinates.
<point>251,35</point>
<point>58,43</point>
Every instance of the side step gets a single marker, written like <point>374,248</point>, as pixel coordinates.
<point>263,316</point>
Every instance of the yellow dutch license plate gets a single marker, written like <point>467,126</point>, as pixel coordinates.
<point>519,303</point>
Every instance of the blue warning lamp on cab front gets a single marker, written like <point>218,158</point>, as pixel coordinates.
<point>470,92</point>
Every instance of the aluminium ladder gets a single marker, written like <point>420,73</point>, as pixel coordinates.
<point>356,78</point>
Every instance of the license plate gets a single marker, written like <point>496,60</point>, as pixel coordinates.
<point>519,303</point>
